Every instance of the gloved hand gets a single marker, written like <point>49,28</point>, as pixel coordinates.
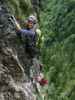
<point>14,22</point>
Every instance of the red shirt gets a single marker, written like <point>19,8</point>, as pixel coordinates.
<point>43,82</point>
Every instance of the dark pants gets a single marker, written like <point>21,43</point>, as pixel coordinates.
<point>32,51</point>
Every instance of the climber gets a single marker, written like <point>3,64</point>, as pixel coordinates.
<point>28,35</point>
<point>36,73</point>
<point>40,79</point>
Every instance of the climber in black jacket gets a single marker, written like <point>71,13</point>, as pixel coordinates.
<point>29,35</point>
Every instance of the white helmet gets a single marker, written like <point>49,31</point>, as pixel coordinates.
<point>33,19</point>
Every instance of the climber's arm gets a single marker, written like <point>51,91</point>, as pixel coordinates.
<point>23,32</point>
<point>18,27</point>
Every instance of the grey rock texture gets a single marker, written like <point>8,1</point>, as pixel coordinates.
<point>14,83</point>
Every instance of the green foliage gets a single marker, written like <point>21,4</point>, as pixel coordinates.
<point>59,69</point>
<point>58,50</point>
<point>59,19</point>
<point>20,8</point>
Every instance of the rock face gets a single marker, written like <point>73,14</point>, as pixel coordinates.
<point>14,83</point>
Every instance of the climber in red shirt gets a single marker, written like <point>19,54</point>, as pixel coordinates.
<point>41,80</point>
